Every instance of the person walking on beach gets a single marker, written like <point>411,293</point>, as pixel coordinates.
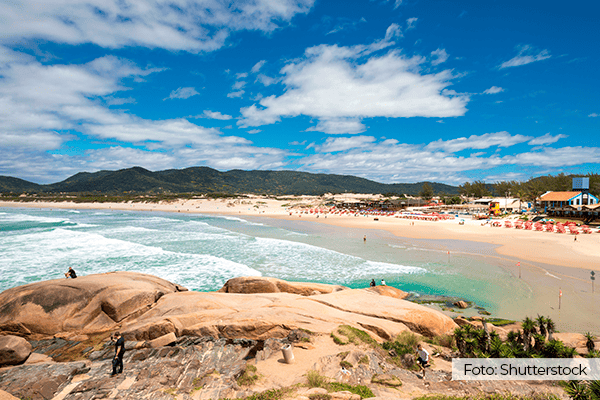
<point>373,283</point>
<point>70,274</point>
<point>117,362</point>
<point>423,358</point>
<point>365,239</point>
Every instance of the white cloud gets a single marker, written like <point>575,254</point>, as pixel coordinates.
<point>329,83</point>
<point>339,126</point>
<point>266,80</point>
<point>397,3</point>
<point>254,131</point>
<point>392,32</point>
<point>546,139</point>
<point>216,115</point>
<point>594,115</point>
<point>332,145</point>
<point>411,23</point>
<point>238,85</point>
<point>258,66</point>
<point>187,25</point>
<point>487,140</point>
<point>493,90</point>
<point>391,161</point>
<point>182,93</point>
<point>438,56</point>
<point>527,54</point>
<point>236,94</point>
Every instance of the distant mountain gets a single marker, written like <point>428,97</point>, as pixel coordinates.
<point>16,185</point>
<point>208,180</point>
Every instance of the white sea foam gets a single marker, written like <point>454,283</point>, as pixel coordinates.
<point>32,218</point>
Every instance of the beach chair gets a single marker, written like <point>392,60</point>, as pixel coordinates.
<point>528,225</point>
<point>508,224</point>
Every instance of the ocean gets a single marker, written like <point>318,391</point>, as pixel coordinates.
<point>201,252</point>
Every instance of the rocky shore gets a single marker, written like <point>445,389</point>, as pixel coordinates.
<point>195,345</point>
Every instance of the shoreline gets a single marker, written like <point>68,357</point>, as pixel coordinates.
<point>549,261</point>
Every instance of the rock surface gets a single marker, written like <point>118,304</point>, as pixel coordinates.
<point>89,303</point>
<point>13,350</point>
<point>260,284</point>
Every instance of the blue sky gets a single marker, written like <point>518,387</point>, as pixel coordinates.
<point>393,91</point>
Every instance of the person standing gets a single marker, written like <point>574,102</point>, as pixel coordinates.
<point>423,358</point>
<point>117,362</point>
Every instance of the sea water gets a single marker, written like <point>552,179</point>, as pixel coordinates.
<point>201,252</point>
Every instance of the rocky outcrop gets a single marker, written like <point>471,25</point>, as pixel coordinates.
<point>144,308</point>
<point>253,284</point>
<point>13,350</point>
<point>89,303</point>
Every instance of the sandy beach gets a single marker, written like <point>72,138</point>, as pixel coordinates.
<point>549,262</point>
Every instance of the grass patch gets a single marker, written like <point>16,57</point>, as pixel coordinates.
<point>500,321</point>
<point>346,364</point>
<point>364,360</point>
<point>273,394</point>
<point>361,390</point>
<point>248,377</point>
<point>442,340</point>
<point>319,396</point>
<point>354,335</point>
<point>338,340</point>
<point>315,380</point>
<point>495,396</point>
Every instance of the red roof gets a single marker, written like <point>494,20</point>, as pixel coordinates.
<point>558,196</point>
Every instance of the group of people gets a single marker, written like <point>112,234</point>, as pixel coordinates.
<point>373,284</point>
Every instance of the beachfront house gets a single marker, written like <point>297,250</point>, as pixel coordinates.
<point>570,204</point>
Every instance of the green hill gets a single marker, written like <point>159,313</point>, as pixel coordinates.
<point>208,180</point>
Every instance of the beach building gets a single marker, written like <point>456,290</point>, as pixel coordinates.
<point>501,205</point>
<point>568,203</point>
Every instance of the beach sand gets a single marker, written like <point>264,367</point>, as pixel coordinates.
<point>549,262</point>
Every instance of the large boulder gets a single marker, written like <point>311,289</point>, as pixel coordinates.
<point>89,303</point>
<point>13,350</point>
<point>254,284</point>
<point>265,315</point>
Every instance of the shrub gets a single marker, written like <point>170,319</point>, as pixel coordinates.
<point>316,380</point>
<point>248,377</point>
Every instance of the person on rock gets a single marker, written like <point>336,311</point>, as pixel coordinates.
<point>70,273</point>
<point>372,282</point>
<point>423,358</point>
<point>117,362</point>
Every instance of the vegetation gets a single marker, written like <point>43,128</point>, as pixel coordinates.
<point>535,187</point>
<point>249,376</point>
<point>317,380</point>
<point>529,342</point>
<point>581,390</point>
<point>495,396</point>
<point>352,335</point>
<point>209,181</point>
<point>405,343</point>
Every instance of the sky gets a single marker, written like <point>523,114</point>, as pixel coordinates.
<point>396,91</point>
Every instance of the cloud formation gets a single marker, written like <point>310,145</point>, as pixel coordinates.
<point>526,55</point>
<point>182,93</point>
<point>493,90</point>
<point>334,84</point>
<point>189,25</point>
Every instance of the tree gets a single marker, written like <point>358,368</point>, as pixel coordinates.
<point>426,191</point>
<point>476,189</point>
<point>590,341</point>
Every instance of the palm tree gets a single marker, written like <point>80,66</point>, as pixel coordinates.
<point>550,327</point>
<point>542,325</point>
<point>575,390</point>
<point>590,342</point>
<point>459,337</point>
<point>539,341</point>
<point>528,329</point>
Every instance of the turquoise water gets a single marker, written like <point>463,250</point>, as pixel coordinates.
<point>201,252</point>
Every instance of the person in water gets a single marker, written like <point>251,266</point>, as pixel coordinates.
<point>70,273</point>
